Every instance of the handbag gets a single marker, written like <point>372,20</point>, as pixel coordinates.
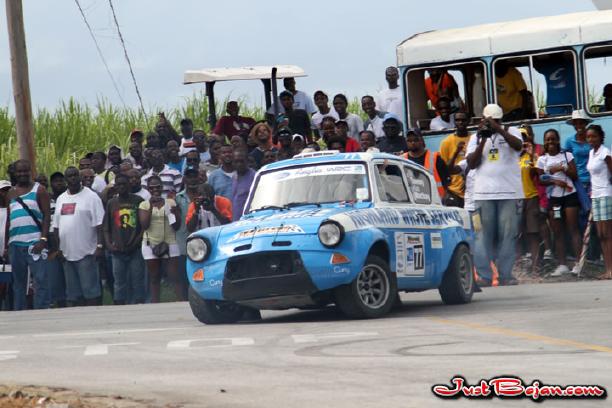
<point>162,249</point>
<point>583,195</point>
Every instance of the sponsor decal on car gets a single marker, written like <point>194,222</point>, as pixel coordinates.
<point>409,254</point>
<point>254,232</point>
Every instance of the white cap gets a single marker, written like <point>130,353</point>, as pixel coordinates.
<point>5,184</point>
<point>297,136</point>
<point>493,111</point>
<point>579,114</point>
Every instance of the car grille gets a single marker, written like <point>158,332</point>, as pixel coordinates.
<point>263,265</point>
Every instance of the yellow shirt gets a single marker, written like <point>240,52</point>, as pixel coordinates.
<point>160,229</point>
<point>526,164</point>
<point>509,90</point>
<point>448,146</point>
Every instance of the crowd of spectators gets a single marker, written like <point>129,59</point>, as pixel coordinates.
<point>120,220</point>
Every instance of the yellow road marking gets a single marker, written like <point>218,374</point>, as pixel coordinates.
<point>524,335</point>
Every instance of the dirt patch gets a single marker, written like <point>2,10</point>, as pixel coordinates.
<point>48,397</point>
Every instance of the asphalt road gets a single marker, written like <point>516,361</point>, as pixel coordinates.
<point>557,333</point>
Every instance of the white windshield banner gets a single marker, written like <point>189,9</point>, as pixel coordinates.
<point>327,170</point>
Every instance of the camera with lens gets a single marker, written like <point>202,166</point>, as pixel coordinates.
<point>486,131</point>
<point>206,202</point>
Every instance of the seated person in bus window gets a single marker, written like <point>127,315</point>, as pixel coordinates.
<point>607,95</point>
<point>560,83</point>
<point>440,83</point>
<point>445,119</point>
<point>512,93</point>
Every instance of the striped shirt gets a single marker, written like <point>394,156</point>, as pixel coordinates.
<point>23,230</point>
<point>171,180</point>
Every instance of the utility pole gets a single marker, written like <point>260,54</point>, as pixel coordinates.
<point>21,81</point>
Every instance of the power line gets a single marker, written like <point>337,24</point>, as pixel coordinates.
<point>93,37</point>
<point>127,57</point>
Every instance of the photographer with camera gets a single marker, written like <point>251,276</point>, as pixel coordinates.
<point>208,210</point>
<point>493,155</point>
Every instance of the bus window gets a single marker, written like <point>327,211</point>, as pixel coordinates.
<point>598,79</point>
<point>536,86</point>
<point>463,84</point>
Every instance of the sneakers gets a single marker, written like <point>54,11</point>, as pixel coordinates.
<point>575,270</point>
<point>561,270</point>
<point>548,255</point>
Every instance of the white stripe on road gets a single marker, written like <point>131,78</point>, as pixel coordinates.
<point>313,338</point>
<point>118,331</point>
<point>8,354</point>
<point>102,349</point>
<point>232,341</point>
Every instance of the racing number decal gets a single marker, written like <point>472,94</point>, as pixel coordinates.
<point>409,254</point>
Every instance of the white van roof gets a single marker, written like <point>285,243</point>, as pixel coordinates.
<point>504,38</point>
<point>241,73</point>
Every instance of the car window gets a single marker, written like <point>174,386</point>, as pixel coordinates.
<point>420,185</point>
<point>390,183</point>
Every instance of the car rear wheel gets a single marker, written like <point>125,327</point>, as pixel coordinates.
<point>371,294</point>
<point>458,283</point>
<point>214,311</point>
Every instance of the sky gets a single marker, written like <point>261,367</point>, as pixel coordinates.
<point>344,46</point>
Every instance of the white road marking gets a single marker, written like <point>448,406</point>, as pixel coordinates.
<point>313,338</point>
<point>102,349</point>
<point>102,332</point>
<point>233,341</point>
<point>8,354</point>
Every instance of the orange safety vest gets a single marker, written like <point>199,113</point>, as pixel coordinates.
<point>430,163</point>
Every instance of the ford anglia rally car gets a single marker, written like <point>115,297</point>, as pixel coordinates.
<point>351,229</point>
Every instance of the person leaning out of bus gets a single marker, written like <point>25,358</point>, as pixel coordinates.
<point>600,168</point>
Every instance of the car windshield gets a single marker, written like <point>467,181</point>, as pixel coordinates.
<point>313,184</point>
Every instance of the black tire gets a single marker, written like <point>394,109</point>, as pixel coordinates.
<point>371,294</point>
<point>214,311</point>
<point>458,282</point>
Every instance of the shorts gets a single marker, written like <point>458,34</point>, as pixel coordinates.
<point>567,201</point>
<point>531,216</point>
<point>147,252</point>
<point>602,209</point>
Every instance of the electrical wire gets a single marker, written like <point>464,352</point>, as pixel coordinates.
<point>93,37</point>
<point>127,57</point>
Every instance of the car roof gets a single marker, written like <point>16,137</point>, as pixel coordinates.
<point>332,156</point>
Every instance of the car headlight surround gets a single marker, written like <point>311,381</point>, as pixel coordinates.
<point>198,249</point>
<point>330,233</point>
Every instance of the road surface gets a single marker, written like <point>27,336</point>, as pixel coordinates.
<point>558,333</point>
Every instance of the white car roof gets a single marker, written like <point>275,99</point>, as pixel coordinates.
<point>504,38</point>
<point>241,73</point>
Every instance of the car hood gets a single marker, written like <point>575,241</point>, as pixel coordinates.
<point>280,223</point>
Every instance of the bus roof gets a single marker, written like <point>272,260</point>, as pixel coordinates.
<point>241,73</point>
<point>505,38</point>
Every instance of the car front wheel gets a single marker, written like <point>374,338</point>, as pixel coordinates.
<point>214,311</point>
<point>371,294</point>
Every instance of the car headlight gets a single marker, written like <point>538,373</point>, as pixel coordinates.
<point>330,233</point>
<point>198,249</point>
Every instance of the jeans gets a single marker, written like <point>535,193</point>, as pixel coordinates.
<point>57,282</point>
<point>82,279</point>
<point>20,262</point>
<point>129,274</point>
<point>496,241</point>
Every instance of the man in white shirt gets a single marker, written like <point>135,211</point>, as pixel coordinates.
<point>301,100</point>
<point>322,102</point>
<point>390,100</point>
<point>374,122</point>
<point>493,155</point>
<point>78,224</point>
<point>445,120</point>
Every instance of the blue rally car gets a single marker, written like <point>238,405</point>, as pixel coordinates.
<point>352,229</point>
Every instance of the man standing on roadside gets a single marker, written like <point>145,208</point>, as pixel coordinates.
<point>221,179</point>
<point>55,270</point>
<point>374,123</point>
<point>78,225</point>
<point>241,183</point>
<point>29,218</point>
<point>322,102</point>
<point>392,142</point>
<point>390,100</point>
<point>430,160</point>
<point>123,237</point>
<point>493,155</point>
<point>454,146</point>
<point>172,179</point>
<point>187,142</point>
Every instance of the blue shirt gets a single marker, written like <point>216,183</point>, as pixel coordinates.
<point>177,166</point>
<point>560,87</point>
<point>581,157</point>
<point>221,183</point>
<point>240,192</point>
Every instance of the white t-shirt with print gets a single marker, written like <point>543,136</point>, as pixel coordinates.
<point>499,175</point>
<point>547,161</point>
<point>600,174</point>
<point>390,100</point>
<point>376,126</point>
<point>77,216</point>
<point>438,123</point>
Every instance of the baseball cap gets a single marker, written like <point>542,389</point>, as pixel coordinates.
<point>391,116</point>
<point>414,131</point>
<point>297,136</point>
<point>4,184</point>
<point>284,132</point>
<point>319,92</point>
<point>493,111</point>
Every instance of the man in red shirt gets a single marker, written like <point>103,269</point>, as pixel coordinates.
<point>234,124</point>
